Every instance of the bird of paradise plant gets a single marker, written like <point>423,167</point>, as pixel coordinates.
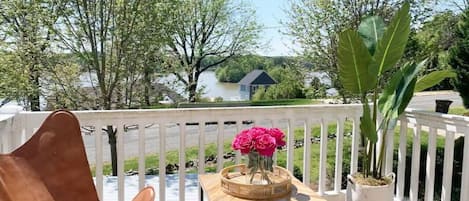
<point>364,56</point>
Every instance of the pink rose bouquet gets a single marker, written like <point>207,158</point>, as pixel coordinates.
<point>259,144</point>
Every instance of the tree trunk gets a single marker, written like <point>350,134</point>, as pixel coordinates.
<point>192,92</point>
<point>147,85</point>
<point>193,86</point>
<point>344,99</point>
<point>107,102</point>
<point>34,96</point>
<point>111,133</point>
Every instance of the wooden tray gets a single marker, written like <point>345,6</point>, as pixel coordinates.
<point>233,182</point>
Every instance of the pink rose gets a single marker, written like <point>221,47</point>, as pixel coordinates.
<point>242,142</point>
<point>278,135</point>
<point>265,145</point>
<point>258,131</point>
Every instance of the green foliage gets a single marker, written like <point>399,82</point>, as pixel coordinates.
<point>433,41</point>
<point>316,89</point>
<point>290,83</point>
<point>218,99</point>
<point>230,74</point>
<point>359,71</point>
<point>219,29</point>
<point>314,26</point>
<point>123,46</point>
<point>435,76</point>
<point>371,30</point>
<point>393,42</point>
<point>396,96</point>
<point>459,59</point>
<point>458,111</point>
<point>14,82</point>
<point>235,69</point>
<point>259,94</point>
<point>354,60</point>
<point>25,30</point>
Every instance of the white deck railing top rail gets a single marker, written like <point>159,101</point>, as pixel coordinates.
<point>159,131</point>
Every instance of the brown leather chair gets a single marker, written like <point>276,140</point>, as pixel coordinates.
<point>51,166</point>
<point>146,194</point>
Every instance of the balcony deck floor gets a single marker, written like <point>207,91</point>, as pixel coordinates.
<point>131,187</point>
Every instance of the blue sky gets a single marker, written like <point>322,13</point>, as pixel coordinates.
<point>269,14</point>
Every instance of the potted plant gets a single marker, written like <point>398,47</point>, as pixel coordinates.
<point>365,56</point>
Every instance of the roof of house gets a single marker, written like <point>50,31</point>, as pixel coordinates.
<point>257,77</point>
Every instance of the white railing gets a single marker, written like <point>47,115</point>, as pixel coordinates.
<point>176,129</point>
<point>433,124</point>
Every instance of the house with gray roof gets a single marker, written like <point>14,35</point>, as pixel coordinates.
<point>252,81</point>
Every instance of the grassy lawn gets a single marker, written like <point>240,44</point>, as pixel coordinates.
<point>239,103</point>
<point>458,110</point>
<point>284,102</point>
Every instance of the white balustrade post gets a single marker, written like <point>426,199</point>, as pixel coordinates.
<point>355,145</point>
<point>307,152</point>
<point>339,153</point>
<point>402,160</point>
<point>465,167</point>
<point>162,162</point>
<point>448,167</point>
<point>99,158</point>
<point>5,133</point>
<point>414,177</point>
<point>120,160</point>
<point>182,161</point>
<point>8,116</point>
<point>323,158</point>
<point>430,166</point>
<point>141,155</point>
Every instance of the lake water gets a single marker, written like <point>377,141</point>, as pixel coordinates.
<point>230,91</point>
<point>213,88</point>
<point>208,80</point>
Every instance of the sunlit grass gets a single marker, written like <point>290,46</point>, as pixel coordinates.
<point>458,110</point>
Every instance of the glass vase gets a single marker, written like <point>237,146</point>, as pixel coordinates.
<point>259,169</point>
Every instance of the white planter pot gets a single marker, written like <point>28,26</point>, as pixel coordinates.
<point>358,192</point>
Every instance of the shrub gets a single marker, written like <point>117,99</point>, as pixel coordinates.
<point>459,59</point>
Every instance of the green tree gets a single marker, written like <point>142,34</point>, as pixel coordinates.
<point>316,89</point>
<point>26,30</point>
<point>290,83</point>
<point>236,68</point>
<point>64,84</point>
<point>260,94</point>
<point>14,82</point>
<point>432,42</point>
<point>116,42</point>
<point>459,58</point>
<point>314,24</point>
<point>219,29</point>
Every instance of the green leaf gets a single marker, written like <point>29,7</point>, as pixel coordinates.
<point>398,93</point>
<point>354,60</point>
<point>367,126</point>
<point>391,47</point>
<point>432,79</point>
<point>405,97</point>
<point>371,29</point>
<point>388,97</point>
